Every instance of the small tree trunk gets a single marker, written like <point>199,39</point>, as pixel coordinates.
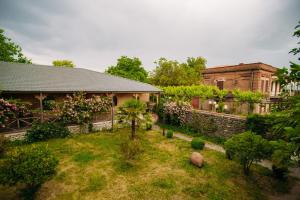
<point>133,129</point>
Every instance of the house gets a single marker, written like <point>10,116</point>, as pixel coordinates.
<point>33,83</point>
<point>253,76</point>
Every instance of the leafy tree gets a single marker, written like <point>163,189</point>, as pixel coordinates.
<point>130,68</point>
<point>9,51</point>
<point>135,111</point>
<point>296,50</point>
<point>63,63</point>
<point>281,158</point>
<point>247,148</point>
<point>173,73</point>
<point>31,166</point>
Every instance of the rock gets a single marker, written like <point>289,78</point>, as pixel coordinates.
<point>197,159</point>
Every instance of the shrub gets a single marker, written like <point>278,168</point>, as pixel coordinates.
<point>3,145</point>
<point>247,148</point>
<point>169,134</point>
<point>281,158</point>
<point>148,126</point>
<point>31,166</point>
<point>80,110</point>
<point>45,131</point>
<point>130,149</point>
<point>197,143</point>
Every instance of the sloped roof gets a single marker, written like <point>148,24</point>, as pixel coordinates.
<point>16,77</point>
<point>240,67</point>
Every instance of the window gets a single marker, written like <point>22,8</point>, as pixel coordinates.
<point>220,85</point>
<point>267,86</point>
<point>262,86</point>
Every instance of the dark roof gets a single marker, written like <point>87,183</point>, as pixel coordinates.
<point>16,77</point>
<point>240,67</point>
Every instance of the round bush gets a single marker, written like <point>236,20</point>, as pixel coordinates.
<point>169,134</point>
<point>31,166</point>
<point>197,143</point>
<point>45,131</point>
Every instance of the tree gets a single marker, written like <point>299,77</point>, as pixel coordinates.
<point>173,73</point>
<point>247,148</point>
<point>9,51</point>
<point>296,50</point>
<point>130,68</point>
<point>63,63</point>
<point>135,111</point>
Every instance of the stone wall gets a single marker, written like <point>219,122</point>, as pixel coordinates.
<point>73,129</point>
<point>216,124</point>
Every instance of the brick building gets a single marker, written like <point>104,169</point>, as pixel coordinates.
<point>253,76</point>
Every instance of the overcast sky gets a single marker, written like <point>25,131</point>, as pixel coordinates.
<point>94,34</point>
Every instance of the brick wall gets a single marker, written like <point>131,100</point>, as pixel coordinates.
<point>216,124</point>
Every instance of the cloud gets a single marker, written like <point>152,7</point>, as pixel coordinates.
<point>95,33</point>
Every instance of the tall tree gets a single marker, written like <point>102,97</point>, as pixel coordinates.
<point>130,68</point>
<point>173,73</point>
<point>63,63</point>
<point>9,51</point>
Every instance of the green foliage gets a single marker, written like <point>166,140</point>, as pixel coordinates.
<point>12,109</point>
<point>260,124</point>
<point>80,110</point>
<point>3,145</point>
<point>173,73</point>
<point>133,111</point>
<point>131,149</point>
<point>296,50</point>
<point>281,158</point>
<point>45,131</point>
<point>197,143</point>
<point>169,134</point>
<point>247,148</point>
<point>9,51</point>
<point>63,63</point>
<point>31,166</point>
<point>130,68</point>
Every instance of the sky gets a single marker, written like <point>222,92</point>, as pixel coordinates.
<point>94,34</point>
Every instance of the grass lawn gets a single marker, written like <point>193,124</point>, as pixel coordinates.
<point>91,167</point>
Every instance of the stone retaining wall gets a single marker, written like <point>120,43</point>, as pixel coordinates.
<point>216,124</point>
<point>98,126</point>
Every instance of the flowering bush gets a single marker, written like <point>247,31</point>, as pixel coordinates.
<point>176,111</point>
<point>78,109</point>
<point>10,111</point>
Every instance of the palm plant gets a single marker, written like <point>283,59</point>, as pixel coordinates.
<point>135,111</point>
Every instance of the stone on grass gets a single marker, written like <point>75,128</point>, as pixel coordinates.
<point>197,159</point>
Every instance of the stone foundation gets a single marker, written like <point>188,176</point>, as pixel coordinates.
<point>98,126</point>
<point>216,124</point>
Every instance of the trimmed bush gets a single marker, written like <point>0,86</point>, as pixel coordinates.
<point>45,131</point>
<point>169,134</point>
<point>148,126</point>
<point>197,143</point>
<point>130,149</point>
<point>31,166</point>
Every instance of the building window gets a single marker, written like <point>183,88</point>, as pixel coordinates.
<point>220,85</point>
<point>267,86</point>
<point>262,85</point>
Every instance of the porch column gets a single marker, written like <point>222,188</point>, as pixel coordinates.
<point>112,111</point>
<point>41,97</point>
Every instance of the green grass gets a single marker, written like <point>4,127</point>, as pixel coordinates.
<point>92,167</point>
<point>188,131</point>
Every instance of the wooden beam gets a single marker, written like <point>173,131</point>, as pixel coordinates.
<point>112,111</point>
